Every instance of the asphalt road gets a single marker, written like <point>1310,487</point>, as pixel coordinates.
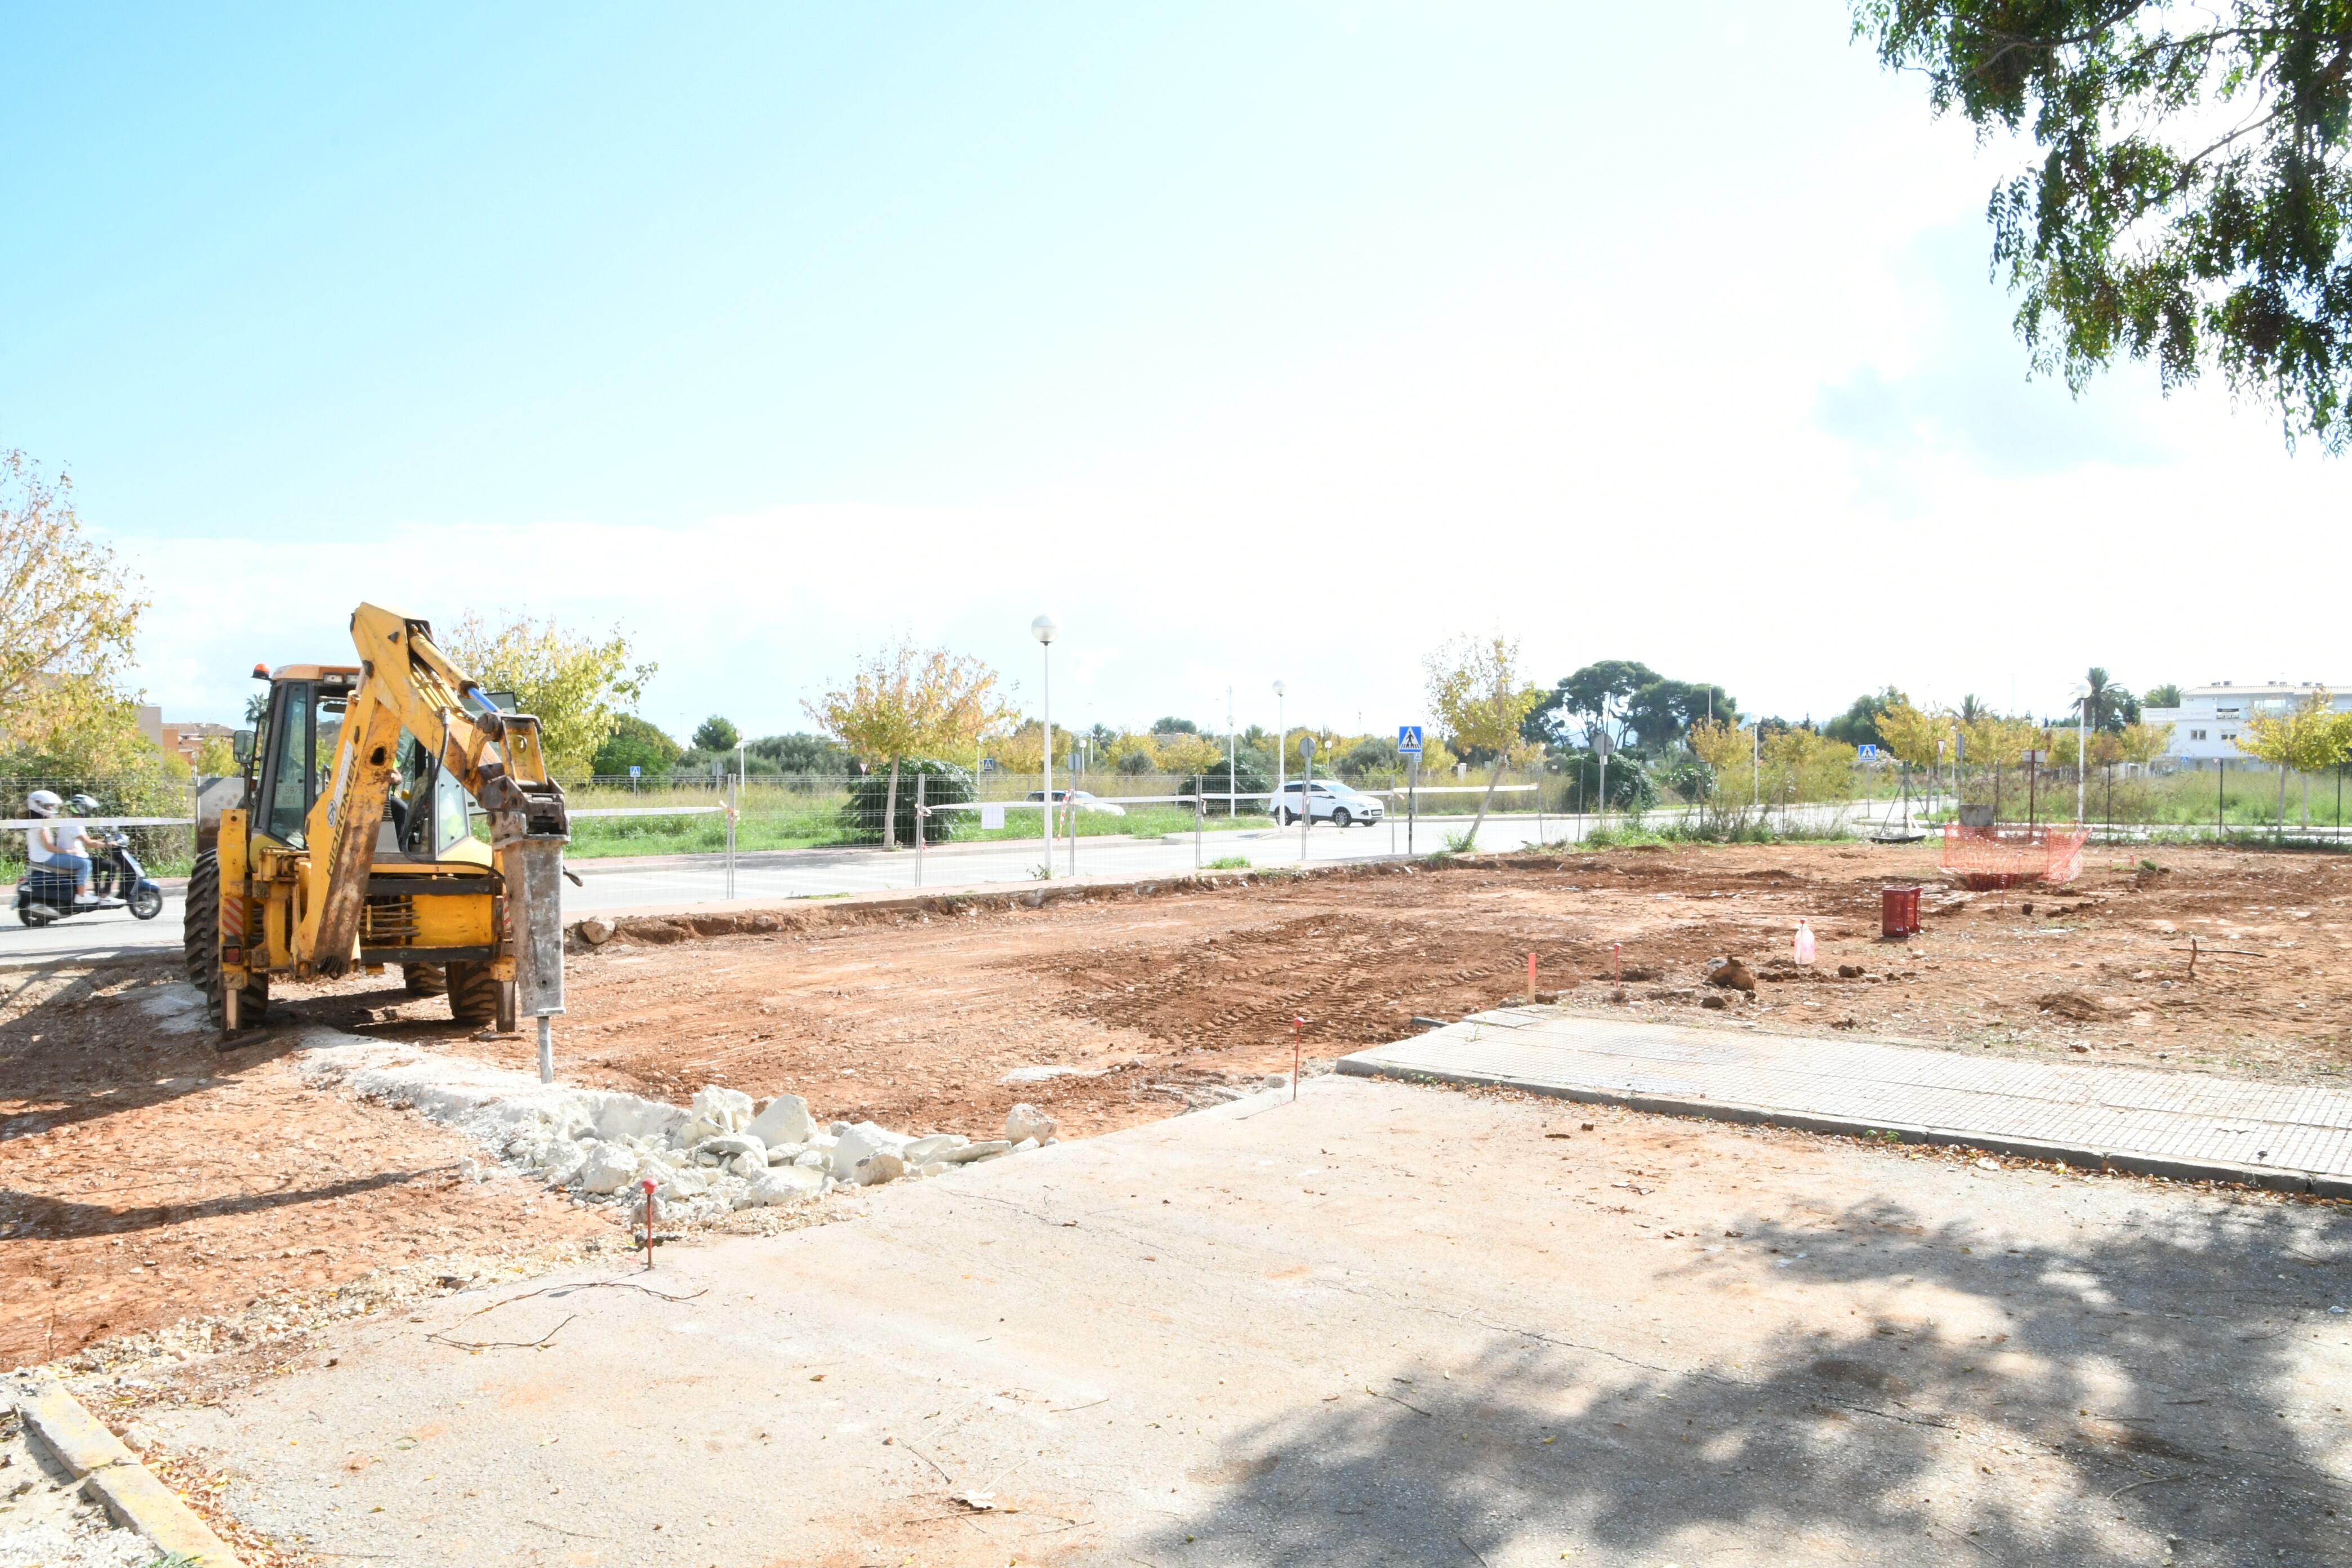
<point>659,880</point>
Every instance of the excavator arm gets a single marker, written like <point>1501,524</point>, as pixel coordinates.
<point>409,683</point>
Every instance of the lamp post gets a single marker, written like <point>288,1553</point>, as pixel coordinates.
<point>1281,745</point>
<point>1305,794</point>
<point>2081,742</point>
<point>1045,629</point>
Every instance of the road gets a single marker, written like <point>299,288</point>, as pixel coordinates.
<point>638,882</point>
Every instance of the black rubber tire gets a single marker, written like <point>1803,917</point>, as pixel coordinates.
<point>145,903</point>
<point>473,992</point>
<point>200,947</point>
<point>25,915</point>
<point>509,1006</point>
<point>424,979</point>
<point>1341,818</point>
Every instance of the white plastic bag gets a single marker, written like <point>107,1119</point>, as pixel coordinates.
<point>1804,942</point>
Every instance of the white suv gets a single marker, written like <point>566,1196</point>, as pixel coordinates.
<point>1332,802</point>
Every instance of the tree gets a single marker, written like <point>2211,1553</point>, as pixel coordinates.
<point>1175,727</point>
<point>1858,725</point>
<point>2165,696</point>
<point>2191,200</point>
<point>2110,707</point>
<point>1911,736</point>
<point>1662,712</point>
<point>802,754</point>
<point>2311,737</point>
<point>576,687</point>
<point>716,734</point>
<point>67,613</point>
<point>1599,696</point>
<point>2143,744</point>
<point>1475,690</point>
<point>901,703</point>
<point>216,758</point>
<point>638,743</point>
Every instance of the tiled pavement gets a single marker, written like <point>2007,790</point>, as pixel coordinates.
<point>2189,1126</point>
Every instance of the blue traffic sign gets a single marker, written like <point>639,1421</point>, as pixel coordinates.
<point>1869,754</point>
<point>635,770</point>
<point>1409,739</point>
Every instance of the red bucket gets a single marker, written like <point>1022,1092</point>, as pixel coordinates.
<point>1898,911</point>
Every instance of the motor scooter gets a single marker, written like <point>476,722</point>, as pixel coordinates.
<point>44,896</point>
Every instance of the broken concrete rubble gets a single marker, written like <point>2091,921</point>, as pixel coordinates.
<point>1026,1122</point>
<point>722,1151</point>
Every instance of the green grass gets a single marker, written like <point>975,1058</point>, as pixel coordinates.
<point>1228,863</point>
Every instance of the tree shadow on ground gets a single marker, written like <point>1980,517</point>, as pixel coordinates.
<point>2129,1394</point>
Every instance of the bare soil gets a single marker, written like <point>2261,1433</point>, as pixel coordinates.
<point>144,1178</point>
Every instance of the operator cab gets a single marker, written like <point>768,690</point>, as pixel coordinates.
<point>292,759</point>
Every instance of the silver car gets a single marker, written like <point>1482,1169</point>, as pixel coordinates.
<point>1339,804</point>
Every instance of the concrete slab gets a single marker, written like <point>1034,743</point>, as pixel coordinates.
<point>1381,1325</point>
<point>2188,1126</point>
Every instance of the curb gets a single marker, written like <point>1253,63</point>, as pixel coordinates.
<point>111,1473</point>
<point>2317,1184</point>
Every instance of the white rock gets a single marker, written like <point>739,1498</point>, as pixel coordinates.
<point>728,1146</point>
<point>859,1143</point>
<point>935,1168</point>
<point>1026,1122</point>
<point>973,1152</point>
<point>749,1166</point>
<point>876,1169</point>
<point>938,1146</point>
<point>811,1160</point>
<point>784,1184</point>
<point>608,1168</point>
<point>784,1120</point>
<point>716,1110</point>
<point>671,1185</point>
<point>785,1154</point>
<point>1024,1146</point>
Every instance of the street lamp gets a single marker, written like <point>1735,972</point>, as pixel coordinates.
<point>1045,629</point>
<point>1281,744</point>
<point>2081,742</point>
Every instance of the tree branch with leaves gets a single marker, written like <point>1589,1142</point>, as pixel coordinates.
<point>2191,197</point>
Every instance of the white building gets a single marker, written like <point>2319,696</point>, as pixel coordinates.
<point>2209,719</point>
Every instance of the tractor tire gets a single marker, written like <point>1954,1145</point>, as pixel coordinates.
<point>424,979</point>
<point>200,948</point>
<point>473,992</point>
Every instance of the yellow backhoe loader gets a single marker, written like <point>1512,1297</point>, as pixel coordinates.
<point>355,846</point>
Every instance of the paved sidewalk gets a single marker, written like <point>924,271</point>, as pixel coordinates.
<point>2188,1126</point>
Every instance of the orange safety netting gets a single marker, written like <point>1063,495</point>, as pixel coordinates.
<point>1983,858</point>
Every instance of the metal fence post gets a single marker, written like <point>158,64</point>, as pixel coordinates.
<point>1199,812</point>
<point>918,829</point>
<point>734,808</point>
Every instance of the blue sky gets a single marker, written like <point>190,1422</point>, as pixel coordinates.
<point>1251,340</point>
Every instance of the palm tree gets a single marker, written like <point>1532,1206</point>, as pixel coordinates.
<point>1971,710</point>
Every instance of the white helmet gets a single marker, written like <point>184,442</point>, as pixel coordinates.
<point>43,803</point>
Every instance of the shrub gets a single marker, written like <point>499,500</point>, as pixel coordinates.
<point>944,783</point>
<point>1217,781</point>
<point>716,734</point>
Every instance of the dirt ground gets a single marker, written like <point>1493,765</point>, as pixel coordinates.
<point>1148,1003</point>
<point>145,1178</point>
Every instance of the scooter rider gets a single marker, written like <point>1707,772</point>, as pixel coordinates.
<point>59,845</point>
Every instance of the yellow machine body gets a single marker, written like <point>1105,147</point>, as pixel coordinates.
<point>356,845</point>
